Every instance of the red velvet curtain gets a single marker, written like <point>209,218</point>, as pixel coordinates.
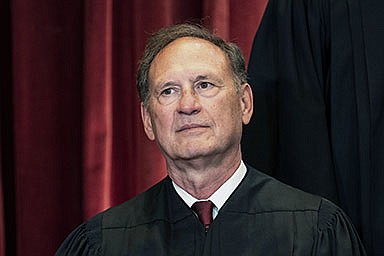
<point>72,142</point>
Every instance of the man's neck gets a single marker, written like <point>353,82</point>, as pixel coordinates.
<point>201,180</point>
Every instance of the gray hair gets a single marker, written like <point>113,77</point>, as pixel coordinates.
<point>165,36</point>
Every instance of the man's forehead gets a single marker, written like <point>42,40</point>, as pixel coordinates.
<point>189,57</point>
<point>189,50</point>
<point>184,45</point>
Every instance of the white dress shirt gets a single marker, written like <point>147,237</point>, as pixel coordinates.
<point>221,195</point>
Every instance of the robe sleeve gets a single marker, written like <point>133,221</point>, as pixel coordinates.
<point>336,235</point>
<point>84,240</point>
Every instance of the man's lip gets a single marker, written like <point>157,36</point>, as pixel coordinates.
<point>190,126</point>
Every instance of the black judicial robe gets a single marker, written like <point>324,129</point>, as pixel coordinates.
<point>317,74</point>
<point>262,217</point>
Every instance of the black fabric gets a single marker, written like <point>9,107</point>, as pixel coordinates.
<point>262,217</point>
<point>317,73</point>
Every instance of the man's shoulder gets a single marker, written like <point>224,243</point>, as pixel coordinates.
<point>138,210</point>
<point>270,194</point>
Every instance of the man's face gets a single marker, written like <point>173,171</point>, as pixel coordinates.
<point>194,109</point>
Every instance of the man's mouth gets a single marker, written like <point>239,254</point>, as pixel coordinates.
<point>190,127</point>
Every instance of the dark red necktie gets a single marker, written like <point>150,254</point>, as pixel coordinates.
<point>204,212</point>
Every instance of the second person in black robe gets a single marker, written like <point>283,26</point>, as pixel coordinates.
<point>317,73</point>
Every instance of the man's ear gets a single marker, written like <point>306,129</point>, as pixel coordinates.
<point>147,122</point>
<point>246,103</point>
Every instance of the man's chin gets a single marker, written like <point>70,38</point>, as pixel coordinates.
<point>190,153</point>
<point>190,156</point>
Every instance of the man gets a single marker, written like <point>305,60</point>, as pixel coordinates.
<point>195,100</point>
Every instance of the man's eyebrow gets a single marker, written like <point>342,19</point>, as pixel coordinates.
<point>207,77</point>
<point>168,83</point>
<point>201,77</point>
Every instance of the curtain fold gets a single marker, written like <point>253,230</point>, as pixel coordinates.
<point>97,106</point>
<point>72,142</point>
<point>219,16</point>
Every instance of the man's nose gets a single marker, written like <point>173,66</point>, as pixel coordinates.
<point>189,102</point>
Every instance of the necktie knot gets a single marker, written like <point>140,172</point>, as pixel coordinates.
<point>204,212</point>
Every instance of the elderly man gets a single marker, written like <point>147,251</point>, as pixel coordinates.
<point>195,101</point>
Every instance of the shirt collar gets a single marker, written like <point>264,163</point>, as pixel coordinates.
<point>221,195</point>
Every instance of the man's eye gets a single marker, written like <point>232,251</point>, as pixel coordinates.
<point>168,95</point>
<point>167,92</point>
<point>205,85</point>
<point>207,89</point>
